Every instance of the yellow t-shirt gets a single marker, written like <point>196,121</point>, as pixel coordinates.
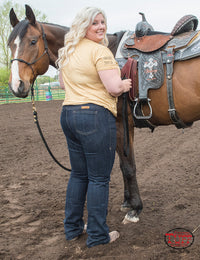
<point>80,75</point>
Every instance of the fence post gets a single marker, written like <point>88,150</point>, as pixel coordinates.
<point>7,95</point>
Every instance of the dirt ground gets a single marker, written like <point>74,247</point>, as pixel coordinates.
<point>32,191</point>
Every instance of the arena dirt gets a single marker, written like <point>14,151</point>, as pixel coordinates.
<point>33,190</point>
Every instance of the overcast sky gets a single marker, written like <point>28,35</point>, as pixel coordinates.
<point>121,14</point>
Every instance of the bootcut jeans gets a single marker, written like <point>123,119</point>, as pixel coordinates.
<point>90,131</point>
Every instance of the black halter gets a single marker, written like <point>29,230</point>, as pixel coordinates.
<point>45,52</point>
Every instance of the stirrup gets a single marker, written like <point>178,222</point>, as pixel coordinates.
<point>137,101</point>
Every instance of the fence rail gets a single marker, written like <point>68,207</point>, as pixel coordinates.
<point>41,93</point>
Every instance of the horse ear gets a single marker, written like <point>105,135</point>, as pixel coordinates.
<point>29,14</point>
<point>13,18</point>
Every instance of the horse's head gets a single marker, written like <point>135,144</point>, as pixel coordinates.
<point>29,49</point>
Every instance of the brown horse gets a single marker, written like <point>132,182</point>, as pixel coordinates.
<point>34,47</point>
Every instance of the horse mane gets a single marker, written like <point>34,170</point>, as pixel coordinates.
<point>19,30</point>
<point>65,28</point>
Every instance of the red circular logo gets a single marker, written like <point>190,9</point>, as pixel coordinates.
<point>179,238</point>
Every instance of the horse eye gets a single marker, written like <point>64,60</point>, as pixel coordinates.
<point>33,42</point>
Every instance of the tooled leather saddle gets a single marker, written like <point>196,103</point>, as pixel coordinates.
<point>141,55</point>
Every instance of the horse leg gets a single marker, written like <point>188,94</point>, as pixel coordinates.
<point>132,201</point>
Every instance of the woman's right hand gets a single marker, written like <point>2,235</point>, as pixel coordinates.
<point>127,84</point>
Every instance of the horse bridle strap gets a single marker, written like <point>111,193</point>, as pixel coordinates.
<point>45,52</point>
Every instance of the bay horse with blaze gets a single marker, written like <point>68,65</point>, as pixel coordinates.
<point>34,46</point>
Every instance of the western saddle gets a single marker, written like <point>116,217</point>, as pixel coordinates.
<point>141,55</point>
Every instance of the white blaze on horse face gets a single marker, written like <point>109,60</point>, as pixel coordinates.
<point>15,67</point>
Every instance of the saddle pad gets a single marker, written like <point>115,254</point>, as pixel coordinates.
<point>182,40</point>
<point>151,72</point>
<point>191,51</point>
<point>126,36</point>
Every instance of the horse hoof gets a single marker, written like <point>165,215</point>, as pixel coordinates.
<point>131,217</point>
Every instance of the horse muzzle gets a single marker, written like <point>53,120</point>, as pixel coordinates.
<point>21,90</point>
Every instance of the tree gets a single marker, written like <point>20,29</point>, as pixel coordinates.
<point>4,75</point>
<point>5,27</point>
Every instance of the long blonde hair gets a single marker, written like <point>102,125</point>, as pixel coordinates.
<point>77,32</point>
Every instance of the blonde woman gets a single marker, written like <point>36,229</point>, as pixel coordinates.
<point>92,83</point>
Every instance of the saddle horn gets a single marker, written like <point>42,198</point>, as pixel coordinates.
<point>13,18</point>
<point>143,17</point>
<point>30,15</point>
<point>142,28</point>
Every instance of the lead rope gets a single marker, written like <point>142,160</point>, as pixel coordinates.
<point>35,116</point>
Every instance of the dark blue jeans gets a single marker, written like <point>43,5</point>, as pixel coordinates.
<point>90,131</point>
